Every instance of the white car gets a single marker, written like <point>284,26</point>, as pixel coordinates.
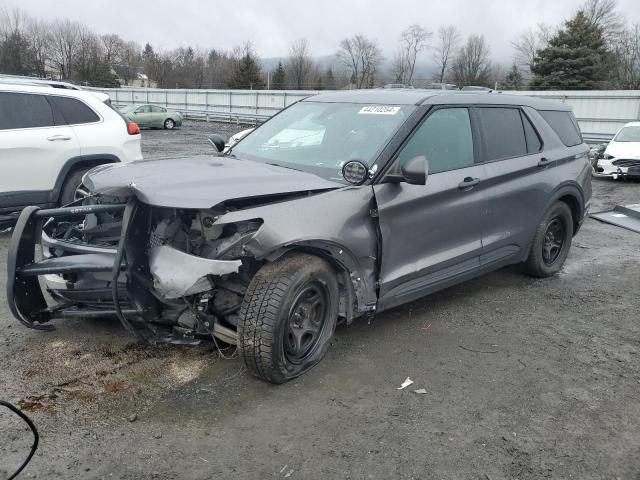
<point>50,137</point>
<point>622,156</point>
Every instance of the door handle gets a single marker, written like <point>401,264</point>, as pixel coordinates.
<point>468,183</point>
<point>55,138</point>
<point>544,162</point>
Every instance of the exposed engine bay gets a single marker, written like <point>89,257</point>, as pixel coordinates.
<point>191,283</point>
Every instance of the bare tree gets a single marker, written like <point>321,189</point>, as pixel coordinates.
<point>604,14</point>
<point>448,39</point>
<point>627,59</point>
<point>113,47</point>
<point>130,61</point>
<point>527,44</point>
<point>472,65</point>
<point>40,39</point>
<point>64,35</point>
<point>361,56</point>
<point>299,64</point>
<point>413,41</point>
<point>399,66</point>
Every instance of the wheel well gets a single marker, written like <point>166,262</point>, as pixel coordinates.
<point>72,166</point>
<point>574,206</point>
<point>348,298</point>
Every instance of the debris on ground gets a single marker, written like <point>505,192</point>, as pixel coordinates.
<point>405,384</point>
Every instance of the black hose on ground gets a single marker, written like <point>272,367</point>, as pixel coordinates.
<point>34,430</point>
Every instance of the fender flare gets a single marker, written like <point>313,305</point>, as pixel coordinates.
<point>72,164</point>
<point>350,270</point>
<point>568,189</point>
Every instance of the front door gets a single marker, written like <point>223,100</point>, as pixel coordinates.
<point>432,234</point>
<point>142,116</point>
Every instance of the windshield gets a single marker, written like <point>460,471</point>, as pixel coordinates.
<point>628,134</point>
<point>320,137</point>
<point>128,108</point>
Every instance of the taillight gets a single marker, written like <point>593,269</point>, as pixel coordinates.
<point>133,128</point>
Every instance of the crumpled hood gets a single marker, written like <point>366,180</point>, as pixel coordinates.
<point>627,150</point>
<point>200,182</point>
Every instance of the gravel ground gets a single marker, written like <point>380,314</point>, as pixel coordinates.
<point>525,379</point>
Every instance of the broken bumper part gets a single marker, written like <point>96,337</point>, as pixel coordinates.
<point>24,293</point>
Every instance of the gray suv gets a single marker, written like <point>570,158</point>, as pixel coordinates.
<point>342,205</point>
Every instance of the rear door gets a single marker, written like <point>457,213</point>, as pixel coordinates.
<point>158,114</point>
<point>432,234</point>
<point>519,179</point>
<point>94,136</point>
<point>35,143</point>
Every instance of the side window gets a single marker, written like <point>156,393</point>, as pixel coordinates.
<point>565,126</point>
<point>155,109</point>
<point>21,110</point>
<point>502,132</point>
<point>444,138</point>
<point>74,111</point>
<point>144,109</point>
<point>534,144</point>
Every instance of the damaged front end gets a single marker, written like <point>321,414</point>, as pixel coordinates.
<point>177,275</point>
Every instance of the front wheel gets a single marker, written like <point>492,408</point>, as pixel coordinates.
<point>551,242</point>
<point>288,317</point>
<point>169,124</point>
<point>73,189</point>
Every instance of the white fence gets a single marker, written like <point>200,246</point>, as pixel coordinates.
<point>234,104</point>
<point>600,113</point>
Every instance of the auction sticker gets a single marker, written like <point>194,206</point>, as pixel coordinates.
<point>379,110</point>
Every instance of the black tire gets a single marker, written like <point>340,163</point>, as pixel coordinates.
<point>551,242</point>
<point>274,313</point>
<point>169,124</point>
<point>71,184</point>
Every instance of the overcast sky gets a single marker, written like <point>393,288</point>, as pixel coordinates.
<point>272,25</point>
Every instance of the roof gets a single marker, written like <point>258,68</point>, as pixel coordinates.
<point>46,90</point>
<point>37,81</point>
<point>416,96</point>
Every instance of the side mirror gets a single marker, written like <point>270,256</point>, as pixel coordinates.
<point>414,172</point>
<point>217,141</point>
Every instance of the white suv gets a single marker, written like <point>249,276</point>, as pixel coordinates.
<point>50,137</point>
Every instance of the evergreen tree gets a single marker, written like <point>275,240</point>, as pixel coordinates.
<point>15,57</point>
<point>247,74</point>
<point>279,79</point>
<point>330,81</point>
<point>318,84</point>
<point>513,80</point>
<point>576,58</point>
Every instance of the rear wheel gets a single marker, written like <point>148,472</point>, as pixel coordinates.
<point>288,317</point>
<point>169,124</point>
<point>551,242</point>
<point>73,189</point>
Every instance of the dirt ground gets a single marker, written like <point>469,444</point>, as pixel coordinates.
<point>524,379</point>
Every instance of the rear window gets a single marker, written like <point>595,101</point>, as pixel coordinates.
<point>22,110</point>
<point>565,126</point>
<point>74,111</point>
<point>503,132</point>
